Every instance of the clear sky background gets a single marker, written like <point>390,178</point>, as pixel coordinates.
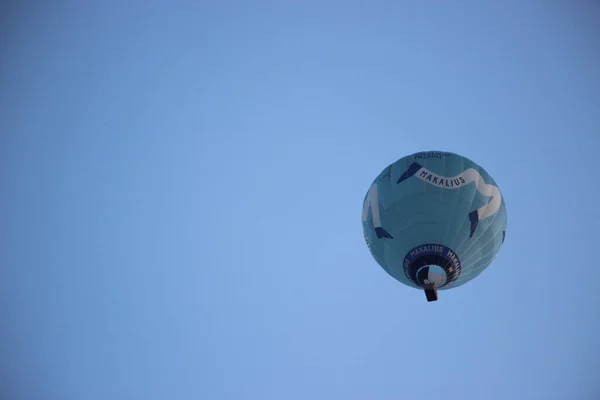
<point>182,187</point>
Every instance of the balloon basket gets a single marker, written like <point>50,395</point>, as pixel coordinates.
<point>430,292</point>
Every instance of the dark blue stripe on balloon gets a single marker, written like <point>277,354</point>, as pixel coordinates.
<point>474,218</point>
<point>414,167</point>
<point>431,254</point>
<point>503,236</point>
<point>382,233</point>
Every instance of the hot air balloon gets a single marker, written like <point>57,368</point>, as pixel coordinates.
<point>434,220</point>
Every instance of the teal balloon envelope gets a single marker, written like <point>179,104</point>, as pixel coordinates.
<point>434,220</point>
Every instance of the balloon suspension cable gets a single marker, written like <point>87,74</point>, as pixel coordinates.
<point>430,292</point>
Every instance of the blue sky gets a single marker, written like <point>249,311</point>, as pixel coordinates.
<point>182,187</point>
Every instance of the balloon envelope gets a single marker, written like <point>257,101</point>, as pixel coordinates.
<point>434,217</point>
